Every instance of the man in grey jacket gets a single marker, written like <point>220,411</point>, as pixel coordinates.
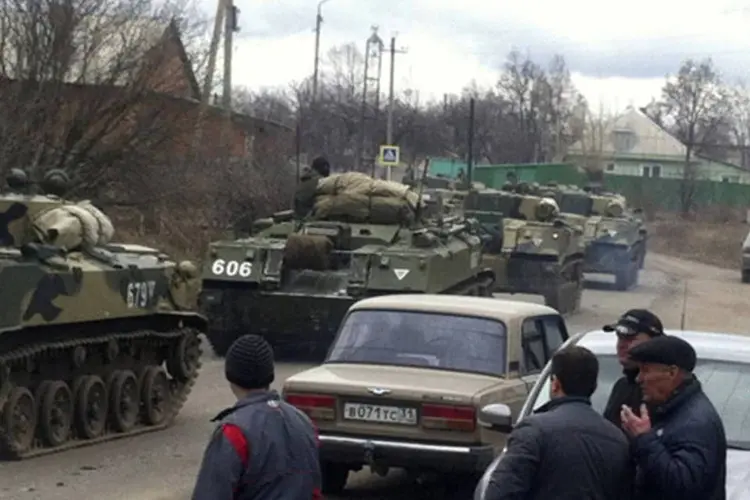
<point>262,448</point>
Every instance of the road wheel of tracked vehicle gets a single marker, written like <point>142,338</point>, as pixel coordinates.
<point>124,402</point>
<point>56,413</point>
<point>19,420</point>
<point>334,477</point>
<point>92,404</point>
<point>185,359</point>
<point>156,396</point>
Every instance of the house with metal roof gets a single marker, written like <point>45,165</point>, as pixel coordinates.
<point>634,145</point>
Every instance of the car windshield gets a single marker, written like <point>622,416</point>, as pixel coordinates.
<point>405,338</point>
<point>725,383</point>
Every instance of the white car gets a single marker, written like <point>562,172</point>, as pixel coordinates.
<point>724,372</point>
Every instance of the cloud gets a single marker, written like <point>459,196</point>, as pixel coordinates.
<point>618,52</point>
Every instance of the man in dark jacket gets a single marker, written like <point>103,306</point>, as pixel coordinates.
<point>633,328</point>
<point>565,450</point>
<point>304,197</point>
<point>679,443</point>
<point>263,448</point>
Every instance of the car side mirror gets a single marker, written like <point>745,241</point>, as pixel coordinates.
<point>497,417</point>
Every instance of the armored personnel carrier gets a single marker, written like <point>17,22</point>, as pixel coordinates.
<point>528,247</point>
<point>293,280</point>
<point>615,237</point>
<point>98,340</point>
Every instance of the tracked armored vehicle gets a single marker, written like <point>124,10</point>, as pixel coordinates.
<point>293,280</point>
<point>528,247</point>
<point>615,237</point>
<point>98,340</point>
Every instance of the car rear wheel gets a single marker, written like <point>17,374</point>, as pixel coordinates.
<point>334,477</point>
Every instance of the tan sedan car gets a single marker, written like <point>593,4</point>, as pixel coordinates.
<point>407,375</point>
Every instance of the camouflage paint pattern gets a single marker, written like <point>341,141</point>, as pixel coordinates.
<point>136,281</point>
<point>97,307</point>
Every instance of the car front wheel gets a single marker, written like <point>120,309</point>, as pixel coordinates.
<point>334,477</point>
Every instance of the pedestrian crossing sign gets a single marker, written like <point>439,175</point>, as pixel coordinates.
<point>390,155</point>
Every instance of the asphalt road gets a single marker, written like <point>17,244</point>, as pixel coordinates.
<point>162,465</point>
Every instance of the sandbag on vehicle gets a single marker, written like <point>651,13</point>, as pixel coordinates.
<point>356,197</point>
<point>353,207</point>
<point>307,251</point>
<point>71,226</point>
<point>359,183</point>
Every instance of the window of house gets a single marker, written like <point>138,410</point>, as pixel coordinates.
<point>651,170</point>
<point>624,140</point>
<point>730,178</point>
<point>610,167</point>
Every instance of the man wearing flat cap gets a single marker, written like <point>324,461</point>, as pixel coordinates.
<point>632,328</point>
<point>678,441</point>
<point>262,448</point>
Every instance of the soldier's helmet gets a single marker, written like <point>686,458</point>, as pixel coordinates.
<point>547,209</point>
<point>17,179</point>
<point>55,182</point>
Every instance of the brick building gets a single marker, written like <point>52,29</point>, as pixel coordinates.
<point>145,62</point>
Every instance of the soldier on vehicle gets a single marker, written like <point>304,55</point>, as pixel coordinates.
<point>678,441</point>
<point>304,197</point>
<point>633,328</point>
<point>263,448</point>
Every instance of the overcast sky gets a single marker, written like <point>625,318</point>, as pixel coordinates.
<point>618,52</point>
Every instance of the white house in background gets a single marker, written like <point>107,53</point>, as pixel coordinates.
<point>632,144</point>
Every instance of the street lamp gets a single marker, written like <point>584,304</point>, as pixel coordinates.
<point>318,22</point>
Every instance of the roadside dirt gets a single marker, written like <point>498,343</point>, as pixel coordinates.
<point>713,238</point>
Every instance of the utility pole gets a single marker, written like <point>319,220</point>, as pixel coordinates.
<point>389,126</point>
<point>208,81</point>
<point>230,27</point>
<point>470,148</point>
<point>318,23</point>
<point>370,99</point>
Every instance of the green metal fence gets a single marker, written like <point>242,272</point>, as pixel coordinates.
<point>658,193</point>
<point>666,193</point>
<point>496,175</point>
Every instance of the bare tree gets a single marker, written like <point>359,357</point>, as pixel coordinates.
<point>95,87</point>
<point>597,128</point>
<point>696,107</point>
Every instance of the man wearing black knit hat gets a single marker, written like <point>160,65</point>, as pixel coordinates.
<point>263,448</point>
<point>632,328</point>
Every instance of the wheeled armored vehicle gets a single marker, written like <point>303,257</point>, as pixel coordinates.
<point>293,280</point>
<point>528,247</point>
<point>98,340</point>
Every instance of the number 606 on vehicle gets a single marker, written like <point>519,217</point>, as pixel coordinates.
<point>221,267</point>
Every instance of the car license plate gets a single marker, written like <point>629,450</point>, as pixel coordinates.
<point>382,414</point>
